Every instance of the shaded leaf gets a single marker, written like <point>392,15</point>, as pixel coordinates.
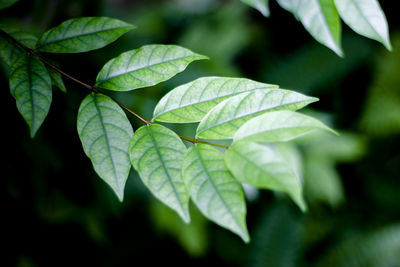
<point>10,51</point>
<point>277,126</point>
<point>82,34</point>
<point>105,132</point>
<point>321,20</point>
<point>366,18</point>
<point>214,190</point>
<point>260,5</point>
<point>7,3</point>
<point>30,85</point>
<point>56,78</point>
<point>145,66</point>
<point>268,167</point>
<point>191,102</point>
<point>156,154</point>
<point>222,121</point>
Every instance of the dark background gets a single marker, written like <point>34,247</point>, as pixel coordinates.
<point>59,213</point>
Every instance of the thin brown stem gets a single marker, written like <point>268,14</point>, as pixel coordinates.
<point>94,89</point>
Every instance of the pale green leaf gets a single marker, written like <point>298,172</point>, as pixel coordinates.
<point>191,102</point>
<point>10,51</point>
<point>214,190</point>
<point>145,66</point>
<point>277,126</point>
<point>321,20</point>
<point>366,18</point>
<point>30,85</point>
<point>267,167</point>
<point>7,3</point>
<point>82,34</point>
<point>105,132</point>
<point>290,5</point>
<point>222,121</point>
<point>260,5</point>
<point>156,154</point>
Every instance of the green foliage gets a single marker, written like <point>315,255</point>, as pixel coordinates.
<point>278,126</point>
<point>82,35</point>
<point>146,66</point>
<point>30,85</point>
<point>7,3</point>
<point>156,154</point>
<point>260,5</point>
<point>266,166</point>
<point>192,101</point>
<point>321,19</point>
<point>105,132</point>
<point>214,190</point>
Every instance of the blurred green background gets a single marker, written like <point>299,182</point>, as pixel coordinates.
<point>59,213</point>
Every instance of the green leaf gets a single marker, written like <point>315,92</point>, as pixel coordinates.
<point>156,154</point>
<point>321,20</point>
<point>145,66</point>
<point>214,190</point>
<point>366,18</point>
<point>277,126</point>
<point>289,5</point>
<point>82,34</point>
<point>191,102</point>
<point>268,167</point>
<point>10,51</point>
<point>30,85</point>
<point>222,121</point>
<point>260,5</point>
<point>105,132</point>
<point>7,3</point>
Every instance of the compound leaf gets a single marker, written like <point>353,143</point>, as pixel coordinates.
<point>222,121</point>
<point>321,20</point>
<point>156,154</point>
<point>30,85</point>
<point>82,34</point>
<point>277,126</point>
<point>10,51</point>
<point>191,102</point>
<point>366,18</point>
<point>105,132</point>
<point>214,190</point>
<point>260,5</point>
<point>145,66</point>
<point>267,167</point>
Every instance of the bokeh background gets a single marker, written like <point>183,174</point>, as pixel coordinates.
<point>57,212</point>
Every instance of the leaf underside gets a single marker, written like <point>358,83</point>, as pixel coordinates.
<point>82,35</point>
<point>105,132</point>
<point>30,85</point>
<point>214,190</point>
<point>225,119</point>
<point>156,154</point>
<point>191,102</point>
<point>266,167</point>
<point>145,66</point>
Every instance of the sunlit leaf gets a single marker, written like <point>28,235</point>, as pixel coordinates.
<point>30,85</point>
<point>82,34</point>
<point>105,132</point>
<point>277,126</point>
<point>10,51</point>
<point>214,190</point>
<point>289,5</point>
<point>145,66</point>
<point>222,121</point>
<point>191,102</point>
<point>7,3</point>
<point>266,166</point>
<point>321,20</point>
<point>366,18</point>
<point>156,154</point>
<point>260,5</point>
